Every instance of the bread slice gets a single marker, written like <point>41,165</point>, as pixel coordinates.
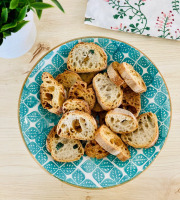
<point>77,125</point>
<point>132,78</point>
<point>52,94</point>
<point>88,77</point>
<point>94,150</point>
<point>68,79</point>
<point>131,101</point>
<point>147,133</point>
<point>62,149</point>
<point>79,91</point>
<point>102,116</point>
<point>112,143</point>
<point>114,75</point>
<point>121,121</point>
<point>108,94</point>
<point>76,104</point>
<point>97,107</point>
<point>87,57</point>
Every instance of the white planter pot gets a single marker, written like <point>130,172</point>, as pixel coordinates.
<point>21,42</point>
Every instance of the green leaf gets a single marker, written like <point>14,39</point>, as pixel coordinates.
<point>39,12</point>
<point>41,6</point>
<point>132,25</point>
<point>4,15</point>
<point>8,26</point>
<point>147,28</point>
<point>1,39</point>
<point>22,13</point>
<point>19,26</point>
<point>13,4</point>
<point>115,16</point>
<point>6,33</point>
<point>58,5</point>
<point>132,30</point>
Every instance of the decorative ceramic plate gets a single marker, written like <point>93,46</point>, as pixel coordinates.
<point>36,122</point>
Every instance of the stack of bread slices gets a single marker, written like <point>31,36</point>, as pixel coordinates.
<point>99,107</point>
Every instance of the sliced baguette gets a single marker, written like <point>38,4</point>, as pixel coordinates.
<point>68,79</point>
<point>77,125</point>
<point>52,94</point>
<point>114,74</point>
<point>108,94</point>
<point>88,77</point>
<point>62,149</point>
<point>112,143</point>
<point>147,133</point>
<point>79,91</point>
<point>76,104</point>
<point>132,78</point>
<point>131,101</point>
<point>87,57</point>
<point>121,121</point>
<point>97,107</point>
<point>94,150</point>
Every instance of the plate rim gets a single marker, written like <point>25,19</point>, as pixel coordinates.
<point>84,37</point>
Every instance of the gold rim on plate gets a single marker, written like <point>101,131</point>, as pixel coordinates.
<point>82,187</point>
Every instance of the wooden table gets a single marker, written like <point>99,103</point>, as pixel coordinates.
<point>22,178</point>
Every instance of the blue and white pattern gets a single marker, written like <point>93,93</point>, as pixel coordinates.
<point>36,122</point>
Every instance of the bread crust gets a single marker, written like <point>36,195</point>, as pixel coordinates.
<point>88,77</point>
<point>114,75</point>
<point>68,79</point>
<point>79,91</point>
<point>126,113</point>
<point>120,150</point>
<point>131,101</point>
<point>103,103</point>
<point>94,150</point>
<point>148,144</point>
<point>76,104</point>
<point>93,47</point>
<point>52,94</point>
<point>128,73</point>
<point>74,134</point>
<point>49,141</point>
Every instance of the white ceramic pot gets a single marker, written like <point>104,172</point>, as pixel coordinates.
<point>21,42</point>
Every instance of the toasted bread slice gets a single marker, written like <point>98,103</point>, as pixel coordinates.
<point>114,75</point>
<point>132,78</point>
<point>121,121</point>
<point>88,77</point>
<point>102,116</point>
<point>112,143</point>
<point>62,149</point>
<point>52,94</point>
<point>147,133</point>
<point>87,57</point>
<point>76,104</point>
<point>131,101</point>
<point>79,91</point>
<point>68,79</point>
<point>97,107</point>
<point>94,150</point>
<point>77,125</point>
<point>50,136</point>
<point>108,94</point>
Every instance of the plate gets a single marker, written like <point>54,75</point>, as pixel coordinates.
<point>36,122</point>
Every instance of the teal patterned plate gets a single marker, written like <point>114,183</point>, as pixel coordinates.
<point>36,122</point>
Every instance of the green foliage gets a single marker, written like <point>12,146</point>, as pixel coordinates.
<point>176,5</point>
<point>13,12</point>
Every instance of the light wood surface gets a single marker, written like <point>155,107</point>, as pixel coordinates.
<point>22,178</point>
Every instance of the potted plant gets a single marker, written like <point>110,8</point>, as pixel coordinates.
<point>17,27</point>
